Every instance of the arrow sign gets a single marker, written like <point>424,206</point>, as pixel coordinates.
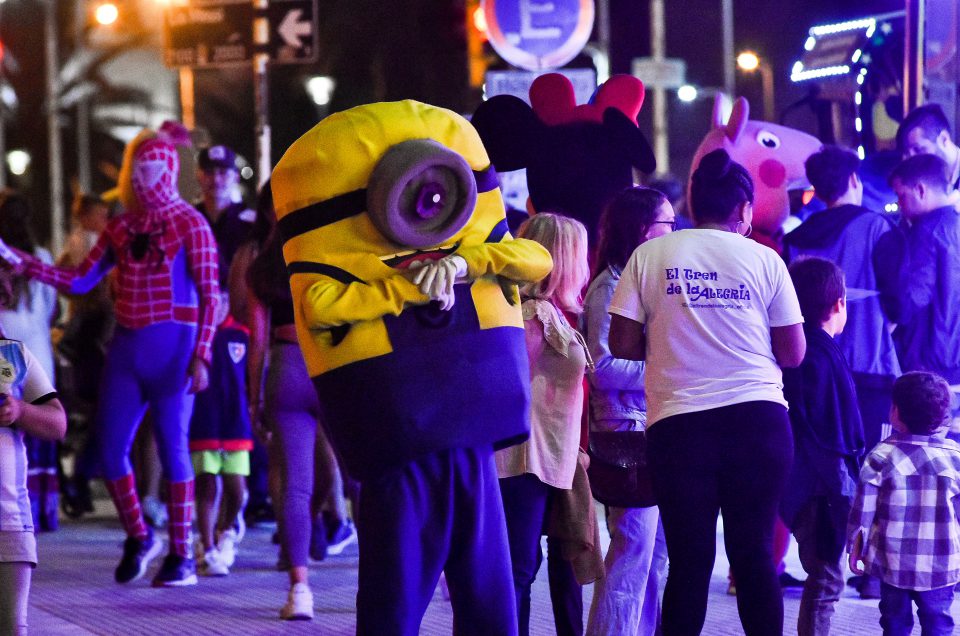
<point>291,28</point>
<point>293,31</point>
<point>219,32</point>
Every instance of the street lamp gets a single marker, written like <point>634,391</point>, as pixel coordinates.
<point>749,62</point>
<point>687,93</point>
<point>18,161</point>
<point>320,89</point>
<point>106,13</point>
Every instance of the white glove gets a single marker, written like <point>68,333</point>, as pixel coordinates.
<point>10,256</point>
<point>436,279</point>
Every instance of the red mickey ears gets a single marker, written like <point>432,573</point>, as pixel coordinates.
<point>553,100</point>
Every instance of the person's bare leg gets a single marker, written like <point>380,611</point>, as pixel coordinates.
<point>206,495</point>
<point>234,493</point>
<point>299,574</point>
<point>14,594</point>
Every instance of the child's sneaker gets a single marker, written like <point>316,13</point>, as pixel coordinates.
<point>227,546</point>
<point>341,537</point>
<point>137,555</point>
<point>212,564</point>
<point>154,512</point>
<point>299,606</point>
<point>176,571</point>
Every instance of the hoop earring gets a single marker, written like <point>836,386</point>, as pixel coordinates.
<point>749,229</point>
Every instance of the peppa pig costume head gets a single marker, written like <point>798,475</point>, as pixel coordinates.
<point>577,156</point>
<point>773,155</point>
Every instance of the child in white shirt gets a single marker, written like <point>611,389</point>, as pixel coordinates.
<point>28,404</point>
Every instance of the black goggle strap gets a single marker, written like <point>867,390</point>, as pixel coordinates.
<point>343,207</point>
<point>339,332</point>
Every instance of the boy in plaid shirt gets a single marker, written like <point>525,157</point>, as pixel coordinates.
<point>904,526</point>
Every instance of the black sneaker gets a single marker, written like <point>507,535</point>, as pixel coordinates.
<point>342,536</point>
<point>137,555</point>
<point>176,571</point>
<point>788,581</point>
<point>870,587</point>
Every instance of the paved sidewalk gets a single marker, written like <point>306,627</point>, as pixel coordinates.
<point>74,594</point>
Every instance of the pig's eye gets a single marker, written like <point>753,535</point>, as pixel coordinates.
<point>767,139</point>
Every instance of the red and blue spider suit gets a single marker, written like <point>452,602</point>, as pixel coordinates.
<point>167,291</point>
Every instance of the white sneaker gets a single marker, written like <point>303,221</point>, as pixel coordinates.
<point>227,545</point>
<point>213,564</point>
<point>299,605</point>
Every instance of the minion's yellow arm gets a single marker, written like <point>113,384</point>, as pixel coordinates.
<point>329,303</point>
<point>520,260</point>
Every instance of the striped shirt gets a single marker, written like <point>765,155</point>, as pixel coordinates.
<point>20,376</point>
<point>906,511</point>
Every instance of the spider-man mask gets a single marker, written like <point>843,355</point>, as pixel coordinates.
<point>156,168</point>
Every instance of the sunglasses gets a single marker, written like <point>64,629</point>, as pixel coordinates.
<point>672,224</point>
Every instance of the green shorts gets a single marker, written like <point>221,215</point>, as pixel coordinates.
<point>216,462</point>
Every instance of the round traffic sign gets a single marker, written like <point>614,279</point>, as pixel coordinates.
<point>538,35</point>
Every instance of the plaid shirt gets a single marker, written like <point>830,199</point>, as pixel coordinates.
<point>905,509</point>
<point>146,292</point>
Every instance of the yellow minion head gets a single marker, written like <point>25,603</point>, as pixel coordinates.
<point>385,178</point>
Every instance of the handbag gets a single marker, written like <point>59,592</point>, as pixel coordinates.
<point>619,473</point>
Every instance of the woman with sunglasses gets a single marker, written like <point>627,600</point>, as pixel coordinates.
<point>626,600</point>
<point>715,316</point>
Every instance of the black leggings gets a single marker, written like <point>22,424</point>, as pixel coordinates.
<point>731,460</point>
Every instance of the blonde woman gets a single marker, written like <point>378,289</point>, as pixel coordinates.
<point>533,472</point>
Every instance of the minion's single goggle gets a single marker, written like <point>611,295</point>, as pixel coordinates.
<point>420,194</point>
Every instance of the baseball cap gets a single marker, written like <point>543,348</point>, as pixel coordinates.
<point>217,157</point>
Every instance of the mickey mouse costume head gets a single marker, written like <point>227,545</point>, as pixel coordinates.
<point>577,156</point>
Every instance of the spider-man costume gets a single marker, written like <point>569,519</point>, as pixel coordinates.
<point>166,260</point>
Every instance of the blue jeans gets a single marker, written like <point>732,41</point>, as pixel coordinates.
<point>933,609</point>
<point>627,600</point>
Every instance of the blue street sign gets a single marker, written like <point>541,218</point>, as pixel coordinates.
<point>538,35</point>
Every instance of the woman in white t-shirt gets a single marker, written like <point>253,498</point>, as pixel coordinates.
<point>715,316</point>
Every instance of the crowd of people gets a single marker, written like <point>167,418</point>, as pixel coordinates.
<point>810,388</point>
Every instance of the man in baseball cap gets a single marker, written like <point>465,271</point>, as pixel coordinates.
<point>229,217</point>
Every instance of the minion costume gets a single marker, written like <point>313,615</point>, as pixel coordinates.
<point>404,281</point>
